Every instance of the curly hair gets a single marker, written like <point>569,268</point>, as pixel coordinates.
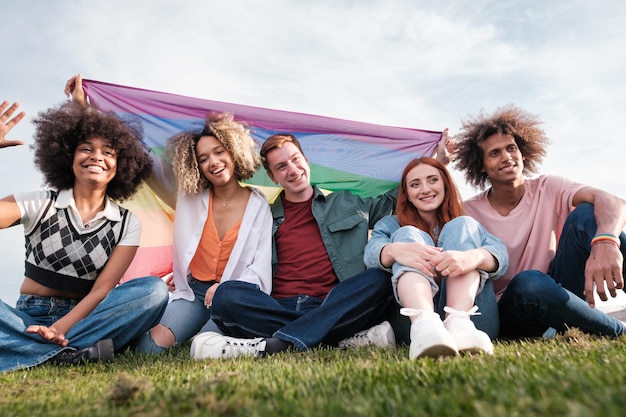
<point>60,129</point>
<point>450,208</point>
<point>235,138</point>
<point>507,120</point>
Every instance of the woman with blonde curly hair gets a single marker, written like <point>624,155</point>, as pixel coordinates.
<point>222,229</point>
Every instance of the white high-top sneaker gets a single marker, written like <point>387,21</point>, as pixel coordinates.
<point>429,337</point>
<point>467,337</point>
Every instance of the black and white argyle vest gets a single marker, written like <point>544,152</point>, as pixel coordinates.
<point>58,256</point>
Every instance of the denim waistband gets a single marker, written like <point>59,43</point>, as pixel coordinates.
<point>29,300</point>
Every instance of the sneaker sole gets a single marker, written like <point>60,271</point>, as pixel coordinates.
<point>436,351</point>
<point>475,346</point>
<point>473,350</point>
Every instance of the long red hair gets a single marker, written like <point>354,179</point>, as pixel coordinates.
<point>450,208</point>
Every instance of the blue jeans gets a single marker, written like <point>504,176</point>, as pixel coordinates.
<point>128,311</point>
<point>184,318</point>
<point>241,309</point>
<point>461,233</point>
<point>535,301</point>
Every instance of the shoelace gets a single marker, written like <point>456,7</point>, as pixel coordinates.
<point>458,313</point>
<point>356,340</point>
<point>235,346</point>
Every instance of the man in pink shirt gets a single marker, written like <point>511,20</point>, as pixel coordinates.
<point>558,255</point>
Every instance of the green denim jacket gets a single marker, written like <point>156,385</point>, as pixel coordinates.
<point>344,220</point>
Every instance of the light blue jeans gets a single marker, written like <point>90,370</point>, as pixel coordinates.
<point>184,318</point>
<point>534,301</point>
<point>128,311</point>
<point>459,234</point>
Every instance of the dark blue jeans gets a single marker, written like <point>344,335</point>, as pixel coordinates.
<point>535,301</point>
<point>241,309</point>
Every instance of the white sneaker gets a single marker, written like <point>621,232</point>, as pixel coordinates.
<point>467,337</point>
<point>381,335</point>
<point>429,337</point>
<point>215,345</point>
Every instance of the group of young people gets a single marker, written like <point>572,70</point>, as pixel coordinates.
<point>249,278</point>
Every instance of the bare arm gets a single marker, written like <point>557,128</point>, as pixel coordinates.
<point>9,212</point>
<point>605,263</point>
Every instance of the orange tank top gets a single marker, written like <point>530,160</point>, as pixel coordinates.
<point>212,254</point>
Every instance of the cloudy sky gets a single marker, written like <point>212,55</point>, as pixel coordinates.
<point>421,64</point>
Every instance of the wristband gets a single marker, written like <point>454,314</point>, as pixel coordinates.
<point>605,238</point>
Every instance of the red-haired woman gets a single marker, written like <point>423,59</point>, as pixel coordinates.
<point>441,262</point>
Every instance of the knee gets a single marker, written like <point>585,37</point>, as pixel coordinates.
<point>461,233</point>
<point>411,234</point>
<point>583,214</point>
<point>155,340</point>
<point>151,291</point>
<point>534,285</point>
<point>526,282</point>
<point>162,336</point>
<point>228,294</point>
<point>464,222</point>
<point>156,290</point>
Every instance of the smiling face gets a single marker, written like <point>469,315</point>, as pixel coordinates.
<point>289,168</point>
<point>425,190</point>
<point>95,162</point>
<point>502,160</point>
<point>214,161</point>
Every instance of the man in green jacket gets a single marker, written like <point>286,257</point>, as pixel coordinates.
<point>322,293</point>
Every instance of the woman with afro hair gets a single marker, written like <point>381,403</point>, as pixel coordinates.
<point>79,242</point>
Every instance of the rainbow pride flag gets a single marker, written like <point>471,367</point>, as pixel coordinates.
<point>364,158</point>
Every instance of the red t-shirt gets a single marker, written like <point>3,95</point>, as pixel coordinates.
<point>303,264</point>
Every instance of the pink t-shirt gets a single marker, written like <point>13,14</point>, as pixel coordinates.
<point>531,230</point>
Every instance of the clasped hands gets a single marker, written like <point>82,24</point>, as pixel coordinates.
<point>432,261</point>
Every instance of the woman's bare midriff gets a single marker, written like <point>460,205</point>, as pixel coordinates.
<point>31,287</point>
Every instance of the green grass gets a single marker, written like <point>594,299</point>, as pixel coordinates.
<point>568,376</point>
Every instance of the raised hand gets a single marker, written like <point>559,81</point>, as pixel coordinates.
<point>7,123</point>
<point>74,89</point>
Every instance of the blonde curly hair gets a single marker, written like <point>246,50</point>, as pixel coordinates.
<point>233,135</point>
